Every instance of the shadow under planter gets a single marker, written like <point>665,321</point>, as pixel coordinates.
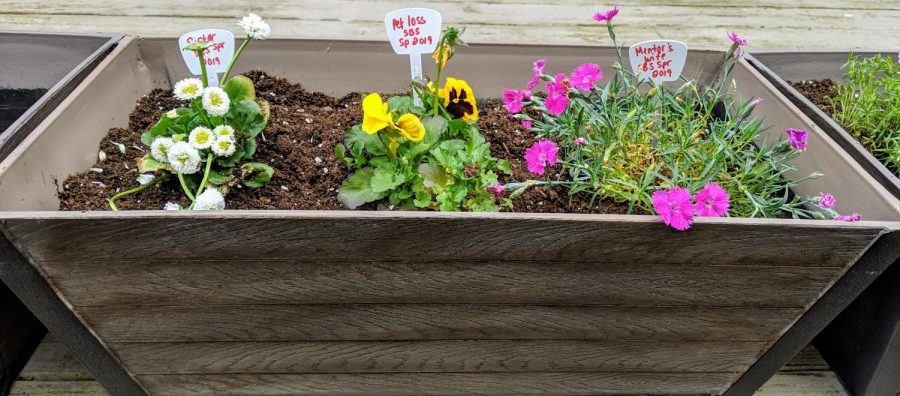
<point>37,71</point>
<point>863,343</point>
<point>362,302</point>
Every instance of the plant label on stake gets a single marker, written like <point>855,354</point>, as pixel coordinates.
<point>413,31</point>
<point>658,60</point>
<point>217,56</point>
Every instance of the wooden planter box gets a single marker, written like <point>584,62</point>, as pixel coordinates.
<point>863,343</point>
<point>355,302</point>
<point>42,69</point>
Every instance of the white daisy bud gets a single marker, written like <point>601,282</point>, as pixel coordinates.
<point>210,199</point>
<point>215,101</point>
<point>224,130</point>
<point>255,27</point>
<point>184,158</point>
<point>201,138</point>
<point>145,178</point>
<point>172,206</point>
<point>224,146</point>
<point>189,88</point>
<point>173,114</point>
<point>159,149</point>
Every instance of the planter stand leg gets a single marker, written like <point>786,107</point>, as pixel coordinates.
<point>40,297</point>
<point>884,252</point>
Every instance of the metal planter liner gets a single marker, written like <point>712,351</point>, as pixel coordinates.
<point>863,343</point>
<point>357,302</point>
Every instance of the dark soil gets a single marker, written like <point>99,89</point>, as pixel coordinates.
<point>818,91</point>
<point>14,103</point>
<point>298,142</point>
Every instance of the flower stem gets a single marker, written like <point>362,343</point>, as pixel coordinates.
<point>187,191</point>
<point>209,160</point>
<point>142,187</point>
<point>203,68</point>
<point>235,58</point>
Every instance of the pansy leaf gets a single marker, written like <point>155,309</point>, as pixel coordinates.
<point>256,174</point>
<point>357,189</point>
<point>434,177</point>
<point>435,127</point>
<point>386,179</point>
<point>400,104</point>
<point>358,139</point>
<point>240,88</point>
<point>147,164</point>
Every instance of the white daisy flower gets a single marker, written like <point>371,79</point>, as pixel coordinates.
<point>172,206</point>
<point>224,146</point>
<point>201,138</point>
<point>210,199</point>
<point>184,158</point>
<point>215,101</point>
<point>255,27</point>
<point>224,130</point>
<point>189,88</point>
<point>159,149</point>
<point>145,178</point>
<point>172,114</point>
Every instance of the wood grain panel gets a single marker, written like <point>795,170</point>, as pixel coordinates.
<point>217,282</point>
<point>433,322</point>
<point>402,236</point>
<point>436,356</point>
<point>438,384</point>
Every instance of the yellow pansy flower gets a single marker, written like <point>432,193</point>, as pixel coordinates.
<point>459,99</point>
<point>377,116</point>
<point>410,127</point>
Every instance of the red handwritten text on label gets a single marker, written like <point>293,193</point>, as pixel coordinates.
<point>412,35</point>
<point>212,55</point>
<point>655,61</point>
<point>658,60</point>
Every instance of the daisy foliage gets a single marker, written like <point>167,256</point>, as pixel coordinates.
<point>202,144</point>
<point>679,151</point>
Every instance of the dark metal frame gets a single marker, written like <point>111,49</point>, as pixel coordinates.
<point>32,287</point>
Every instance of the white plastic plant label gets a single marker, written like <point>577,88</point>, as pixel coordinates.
<point>413,32</point>
<point>217,56</point>
<point>658,60</point>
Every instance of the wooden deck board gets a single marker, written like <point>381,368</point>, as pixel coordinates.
<point>768,24</point>
<point>53,371</point>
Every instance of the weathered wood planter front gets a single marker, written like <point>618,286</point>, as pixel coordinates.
<point>863,344</point>
<point>36,72</point>
<point>253,302</point>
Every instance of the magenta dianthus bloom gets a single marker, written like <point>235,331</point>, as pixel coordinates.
<point>496,189</point>
<point>541,154</point>
<point>557,100</point>
<point>513,98</point>
<point>826,200</point>
<point>737,40</point>
<point>584,76</point>
<point>538,71</point>
<point>797,138</point>
<point>527,124</point>
<point>580,141</point>
<point>674,207</point>
<point>755,102</point>
<point>712,201</point>
<point>849,218</point>
<point>606,16</point>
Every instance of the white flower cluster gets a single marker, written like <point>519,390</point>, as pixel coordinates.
<point>210,199</point>
<point>188,89</point>
<point>255,27</point>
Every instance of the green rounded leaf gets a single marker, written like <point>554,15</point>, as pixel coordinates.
<point>256,174</point>
<point>357,189</point>
<point>240,88</point>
